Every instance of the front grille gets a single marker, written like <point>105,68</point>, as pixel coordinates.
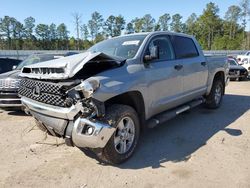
<point>9,83</point>
<point>45,92</point>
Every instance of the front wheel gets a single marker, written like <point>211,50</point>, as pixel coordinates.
<point>213,100</point>
<point>123,142</point>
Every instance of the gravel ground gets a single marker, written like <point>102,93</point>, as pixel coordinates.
<point>200,148</point>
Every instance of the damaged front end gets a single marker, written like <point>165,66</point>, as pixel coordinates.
<point>67,108</point>
<point>78,121</point>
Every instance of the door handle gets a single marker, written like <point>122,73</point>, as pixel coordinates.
<point>178,67</point>
<point>204,63</point>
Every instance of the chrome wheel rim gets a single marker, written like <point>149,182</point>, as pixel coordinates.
<point>218,94</point>
<point>124,135</point>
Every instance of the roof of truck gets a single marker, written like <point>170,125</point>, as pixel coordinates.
<point>156,32</point>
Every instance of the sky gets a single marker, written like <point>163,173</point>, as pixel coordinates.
<point>60,11</point>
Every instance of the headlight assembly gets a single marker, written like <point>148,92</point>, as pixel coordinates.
<point>88,87</point>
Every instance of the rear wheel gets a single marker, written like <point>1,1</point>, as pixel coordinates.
<point>213,100</point>
<point>123,142</point>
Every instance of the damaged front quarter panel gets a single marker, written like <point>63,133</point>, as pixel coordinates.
<point>84,93</point>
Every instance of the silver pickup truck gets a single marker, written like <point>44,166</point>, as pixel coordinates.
<point>102,99</point>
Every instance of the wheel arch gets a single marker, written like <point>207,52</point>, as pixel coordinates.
<point>133,99</point>
<point>220,75</point>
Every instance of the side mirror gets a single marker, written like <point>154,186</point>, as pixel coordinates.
<point>14,67</point>
<point>154,54</point>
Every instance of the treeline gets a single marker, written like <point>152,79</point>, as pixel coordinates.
<point>212,31</point>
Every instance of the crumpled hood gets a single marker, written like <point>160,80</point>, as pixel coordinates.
<point>71,65</point>
<point>11,74</point>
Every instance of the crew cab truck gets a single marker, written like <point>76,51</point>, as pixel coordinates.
<point>102,99</point>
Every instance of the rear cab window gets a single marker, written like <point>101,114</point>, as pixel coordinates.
<point>184,47</point>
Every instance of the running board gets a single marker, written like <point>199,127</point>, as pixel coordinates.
<point>170,114</point>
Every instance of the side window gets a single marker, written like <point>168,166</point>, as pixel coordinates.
<point>184,47</point>
<point>166,51</point>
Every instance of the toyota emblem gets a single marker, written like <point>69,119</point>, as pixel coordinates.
<point>36,91</point>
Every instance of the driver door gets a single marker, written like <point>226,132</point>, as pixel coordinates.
<point>164,76</point>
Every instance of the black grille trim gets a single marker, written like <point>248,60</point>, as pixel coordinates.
<point>50,93</point>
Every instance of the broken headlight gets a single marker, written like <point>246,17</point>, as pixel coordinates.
<point>88,87</point>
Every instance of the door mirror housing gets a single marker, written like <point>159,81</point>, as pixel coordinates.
<point>154,54</point>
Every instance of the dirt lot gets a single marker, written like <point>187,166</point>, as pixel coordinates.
<point>201,148</point>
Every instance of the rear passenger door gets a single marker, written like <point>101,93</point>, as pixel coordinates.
<point>195,70</point>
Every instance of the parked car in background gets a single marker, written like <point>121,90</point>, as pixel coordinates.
<point>7,64</point>
<point>244,56</point>
<point>9,81</point>
<point>236,71</point>
<point>244,60</point>
<point>245,63</point>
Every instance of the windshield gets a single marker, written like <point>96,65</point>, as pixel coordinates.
<point>232,62</point>
<point>125,47</point>
<point>35,58</point>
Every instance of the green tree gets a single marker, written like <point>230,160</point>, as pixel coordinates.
<point>232,16</point>
<point>210,25</point>
<point>72,43</point>
<point>191,24</point>
<point>245,14</point>
<point>43,34</point>
<point>138,24</point>
<point>62,35</point>
<point>87,44</point>
<point>164,22</point>
<point>119,25</point>
<point>176,24</point>
<point>29,25</point>
<point>18,33</point>
<point>148,23</point>
<point>1,36</point>
<point>52,36</point>
<point>84,32</point>
<point>77,21</point>
<point>95,24</point>
<point>130,28</point>
<point>6,29</point>
<point>109,26</point>
<point>99,37</point>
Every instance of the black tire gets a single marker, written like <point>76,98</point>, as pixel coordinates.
<point>115,114</point>
<point>211,101</point>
